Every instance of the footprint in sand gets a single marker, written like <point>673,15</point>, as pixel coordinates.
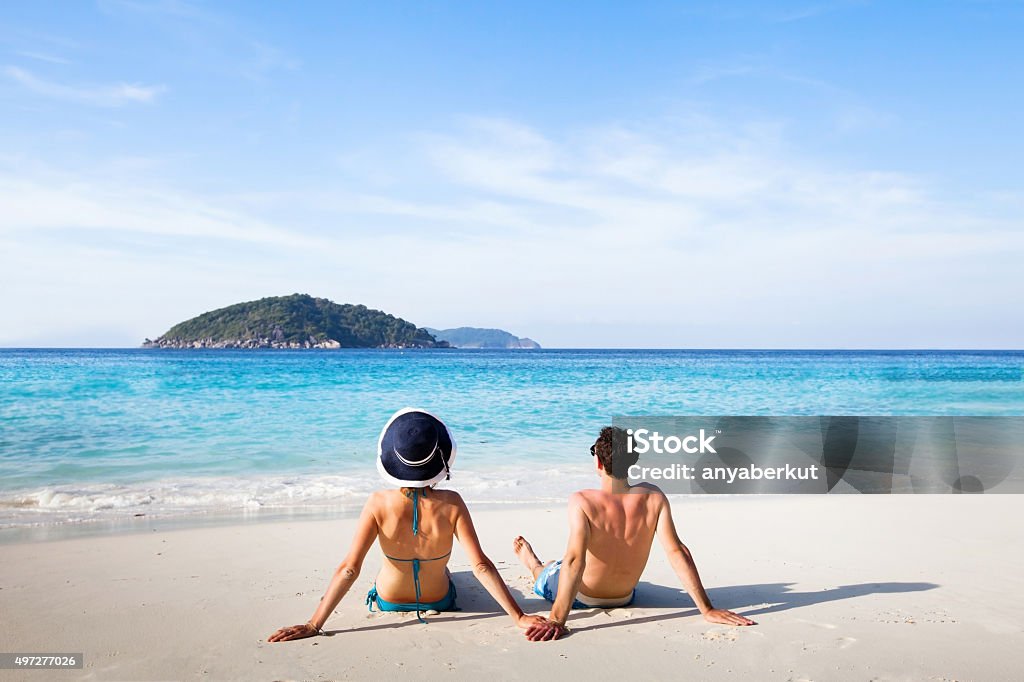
<point>720,635</point>
<point>827,626</point>
<point>618,613</point>
<point>938,617</point>
<point>846,642</point>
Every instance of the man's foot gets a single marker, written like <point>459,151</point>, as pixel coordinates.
<point>525,553</point>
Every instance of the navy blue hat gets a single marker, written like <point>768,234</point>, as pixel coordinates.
<point>415,450</point>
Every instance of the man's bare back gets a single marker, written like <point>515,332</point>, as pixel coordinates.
<point>611,531</point>
<point>622,529</point>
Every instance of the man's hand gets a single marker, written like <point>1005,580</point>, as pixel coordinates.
<point>294,632</point>
<point>545,630</point>
<point>723,617</point>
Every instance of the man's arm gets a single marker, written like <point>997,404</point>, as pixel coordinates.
<point>574,561</point>
<point>682,563</point>
<point>341,582</point>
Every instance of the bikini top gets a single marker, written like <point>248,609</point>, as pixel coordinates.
<point>416,530</point>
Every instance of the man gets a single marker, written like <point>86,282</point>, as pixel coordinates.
<point>611,531</point>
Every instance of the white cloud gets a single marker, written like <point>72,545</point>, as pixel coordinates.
<point>55,202</point>
<point>113,95</point>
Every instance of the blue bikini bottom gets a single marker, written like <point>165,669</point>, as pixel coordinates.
<point>445,603</point>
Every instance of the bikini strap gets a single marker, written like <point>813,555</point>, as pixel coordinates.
<point>416,562</point>
<point>437,558</point>
<point>415,511</point>
<point>416,582</point>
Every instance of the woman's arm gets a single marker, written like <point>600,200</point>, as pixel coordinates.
<point>484,570</point>
<point>344,576</point>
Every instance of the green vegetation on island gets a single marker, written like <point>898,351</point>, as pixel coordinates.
<point>296,321</point>
<point>474,337</point>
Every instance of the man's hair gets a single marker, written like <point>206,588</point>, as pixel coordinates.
<point>610,448</point>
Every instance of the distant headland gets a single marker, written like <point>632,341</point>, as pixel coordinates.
<point>294,322</point>
<point>475,337</point>
<point>301,321</point>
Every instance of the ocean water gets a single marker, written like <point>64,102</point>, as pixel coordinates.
<point>89,435</point>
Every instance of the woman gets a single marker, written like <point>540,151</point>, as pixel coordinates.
<point>416,526</point>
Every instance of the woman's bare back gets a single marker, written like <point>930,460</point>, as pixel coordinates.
<point>437,515</point>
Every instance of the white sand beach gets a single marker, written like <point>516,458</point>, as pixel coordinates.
<point>843,588</point>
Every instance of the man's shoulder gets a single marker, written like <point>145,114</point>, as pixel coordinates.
<point>588,500</point>
<point>592,499</point>
<point>598,494</point>
<point>648,489</point>
<point>654,498</point>
<point>586,495</point>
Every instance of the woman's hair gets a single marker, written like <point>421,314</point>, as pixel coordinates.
<point>407,491</point>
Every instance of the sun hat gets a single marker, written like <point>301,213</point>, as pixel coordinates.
<point>415,449</point>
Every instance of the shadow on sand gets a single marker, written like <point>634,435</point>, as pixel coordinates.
<point>474,603</point>
<point>750,600</point>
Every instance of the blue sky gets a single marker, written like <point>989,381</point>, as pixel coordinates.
<point>831,174</point>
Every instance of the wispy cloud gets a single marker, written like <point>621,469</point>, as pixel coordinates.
<point>42,57</point>
<point>113,95</point>
<point>851,111</point>
<point>688,178</point>
<point>54,201</point>
<point>168,8</point>
<point>263,59</point>
<point>220,41</point>
<point>775,13</point>
<point>707,73</point>
<point>811,11</point>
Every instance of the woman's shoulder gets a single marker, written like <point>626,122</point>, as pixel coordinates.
<point>376,500</point>
<point>380,498</point>
<point>448,496</point>
<point>448,500</point>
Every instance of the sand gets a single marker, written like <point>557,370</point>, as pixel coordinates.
<point>843,588</point>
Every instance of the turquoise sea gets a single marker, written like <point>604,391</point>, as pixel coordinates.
<point>98,434</point>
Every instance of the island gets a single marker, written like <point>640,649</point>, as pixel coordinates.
<point>298,321</point>
<point>475,337</point>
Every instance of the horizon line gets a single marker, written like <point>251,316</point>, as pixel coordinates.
<point>547,348</point>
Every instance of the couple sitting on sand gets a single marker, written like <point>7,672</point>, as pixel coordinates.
<point>611,531</point>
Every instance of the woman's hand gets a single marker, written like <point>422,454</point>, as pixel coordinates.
<point>543,630</point>
<point>526,622</point>
<point>294,632</point>
<point>723,617</point>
